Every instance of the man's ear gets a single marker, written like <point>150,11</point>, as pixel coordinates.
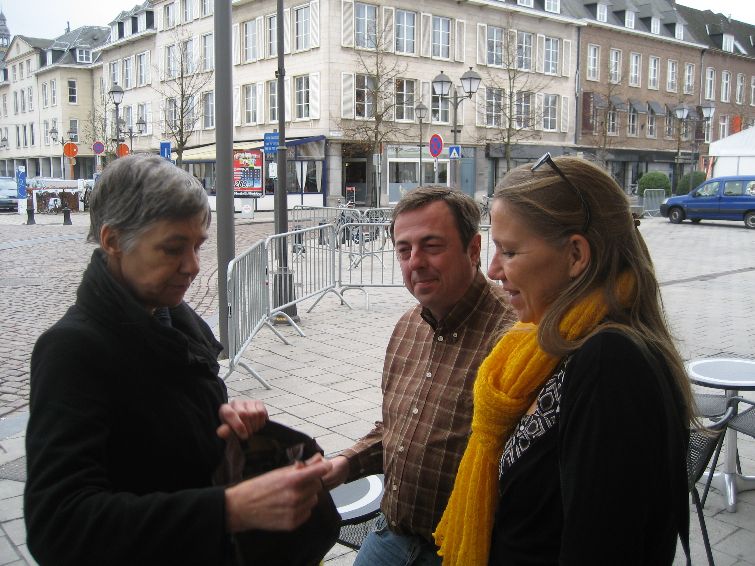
<point>475,246</point>
<point>579,255</point>
<point>109,241</point>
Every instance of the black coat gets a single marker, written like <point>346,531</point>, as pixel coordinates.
<point>121,443</point>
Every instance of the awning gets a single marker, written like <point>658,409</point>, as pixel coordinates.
<point>618,103</point>
<point>207,153</point>
<point>638,106</point>
<point>657,108</point>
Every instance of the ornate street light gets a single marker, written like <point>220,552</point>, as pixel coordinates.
<point>421,112</point>
<point>116,95</point>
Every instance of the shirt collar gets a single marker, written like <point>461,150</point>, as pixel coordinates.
<point>461,310</point>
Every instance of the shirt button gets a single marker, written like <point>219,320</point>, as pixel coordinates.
<point>400,448</point>
<point>393,523</point>
<point>455,335</point>
<point>415,410</point>
<point>440,338</point>
<point>428,374</point>
<point>395,487</point>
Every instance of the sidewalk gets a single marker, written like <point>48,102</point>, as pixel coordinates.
<point>328,383</point>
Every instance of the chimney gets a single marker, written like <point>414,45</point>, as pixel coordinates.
<point>68,27</point>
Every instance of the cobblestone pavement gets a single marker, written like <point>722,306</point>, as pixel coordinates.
<point>328,383</point>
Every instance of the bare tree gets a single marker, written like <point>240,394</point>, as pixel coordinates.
<point>601,111</point>
<point>185,76</point>
<point>95,127</point>
<point>380,97</point>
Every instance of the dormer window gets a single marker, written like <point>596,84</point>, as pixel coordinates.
<point>83,55</point>
<point>602,14</point>
<point>655,26</point>
<point>679,31</point>
<point>629,19</point>
<point>728,43</point>
<point>526,3</point>
<point>553,6</point>
<point>48,58</point>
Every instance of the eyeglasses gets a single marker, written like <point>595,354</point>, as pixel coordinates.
<point>549,160</point>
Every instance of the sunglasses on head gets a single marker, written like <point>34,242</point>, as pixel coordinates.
<point>549,160</point>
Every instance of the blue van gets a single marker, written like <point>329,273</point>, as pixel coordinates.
<point>722,198</point>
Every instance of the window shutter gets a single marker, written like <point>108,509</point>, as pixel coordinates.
<point>260,103</point>
<point>566,58</point>
<point>461,40</point>
<point>196,8</point>
<point>148,68</point>
<point>287,30</point>
<point>425,97</point>
<point>347,23</point>
<point>287,100</point>
<point>314,96</point>
<point>148,117</point>
<point>314,23</point>
<point>482,44</point>
<point>480,98</point>
<point>134,78</point>
<point>540,57</point>
<point>426,35</point>
<point>159,18</point>
<point>235,44</point>
<point>462,96</point>
<point>539,101</point>
<point>387,102</point>
<point>509,55</point>
<point>161,60</point>
<point>260,37</point>
<point>347,95</point>
<point>196,53</point>
<point>237,106</point>
<point>564,113</point>
<point>388,36</point>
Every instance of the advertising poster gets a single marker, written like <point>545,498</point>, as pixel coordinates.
<point>247,173</point>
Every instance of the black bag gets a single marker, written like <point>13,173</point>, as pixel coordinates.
<point>271,447</point>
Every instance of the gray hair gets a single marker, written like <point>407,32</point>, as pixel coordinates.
<point>136,191</point>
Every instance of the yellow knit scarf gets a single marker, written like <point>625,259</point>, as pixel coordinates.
<point>507,383</point>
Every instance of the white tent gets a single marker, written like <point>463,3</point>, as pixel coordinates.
<point>735,155</point>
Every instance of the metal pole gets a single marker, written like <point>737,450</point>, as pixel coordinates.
<point>420,153</point>
<point>117,130</point>
<point>452,162</point>
<point>224,158</point>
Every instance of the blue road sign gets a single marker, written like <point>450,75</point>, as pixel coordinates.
<point>271,142</point>
<point>436,145</point>
<point>21,182</point>
<point>454,152</point>
<point>165,150</point>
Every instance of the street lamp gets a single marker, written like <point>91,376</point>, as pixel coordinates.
<point>421,111</point>
<point>116,95</point>
<point>442,87</point>
<point>4,143</point>
<point>63,141</point>
<point>140,127</point>
<point>681,112</point>
<point>708,110</point>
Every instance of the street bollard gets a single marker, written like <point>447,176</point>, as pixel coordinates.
<point>30,216</point>
<point>67,216</point>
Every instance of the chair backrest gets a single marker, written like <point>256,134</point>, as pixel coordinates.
<point>702,444</point>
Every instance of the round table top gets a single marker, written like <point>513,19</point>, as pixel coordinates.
<point>723,373</point>
<point>358,499</point>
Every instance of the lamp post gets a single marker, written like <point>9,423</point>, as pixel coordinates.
<point>442,86</point>
<point>708,110</point>
<point>681,112</point>
<point>63,142</point>
<point>682,115</point>
<point>116,95</point>
<point>421,111</point>
<point>140,127</point>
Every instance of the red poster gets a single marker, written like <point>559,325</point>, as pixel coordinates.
<point>247,173</point>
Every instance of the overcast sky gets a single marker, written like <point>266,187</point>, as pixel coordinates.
<point>47,18</point>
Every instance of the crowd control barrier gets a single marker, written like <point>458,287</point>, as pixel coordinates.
<point>651,201</point>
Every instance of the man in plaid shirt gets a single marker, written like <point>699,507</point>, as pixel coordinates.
<point>430,366</point>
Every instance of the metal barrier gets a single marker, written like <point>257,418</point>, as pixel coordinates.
<point>308,216</point>
<point>651,201</point>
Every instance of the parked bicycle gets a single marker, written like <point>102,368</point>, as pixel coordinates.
<point>484,210</point>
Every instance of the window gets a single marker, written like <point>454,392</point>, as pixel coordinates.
<point>602,13</point>
<point>550,63</point>
<point>707,130</point>
<point>169,16</point>
<point>171,62</point>
<point>301,88</point>
<point>115,75</point>
<point>53,93</point>
<point>250,104</point>
<point>187,57</point>
<point>272,100</point>
<point>727,43</point>
<point>45,132</point>
<point>670,124</point>
<point>128,119</point>
<point>250,41</point>
<point>632,122</point>
<point>22,98</point>
<point>495,45</point>
<point>171,113</point>
<point>655,25</point>
<point>671,76</point>
<point>31,98</point>
<point>271,36</point>
<point>550,105</point>
<point>441,37</point>
<point>635,66</point>
<point>710,83</point>
<point>83,55</point>
<point>73,128</point>
<point>208,52</point>
<point>366,26</point>
<point>593,62</point>
<point>405,99</point>
<point>405,30</point>
<point>141,114</point>
<point>725,86</point>
<point>740,93</point>
<point>526,3</point>
<point>679,31</point>
<point>20,71</point>
<point>301,25</point>
<point>612,122</point>
<point>523,109</point>
<point>45,97</point>
<point>654,64</point>
<point>723,127</point>
<point>208,109</point>
<point>494,107</point>
<point>615,65</point>
<point>31,133</point>
<point>553,6</point>
<point>524,51</point>
<point>365,96</point>
<point>72,94</point>
<point>629,19</point>
<point>440,109</point>
<point>207,9</point>
<point>689,78</point>
<point>188,10</point>
<point>651,127</point>
<point>127,77</point>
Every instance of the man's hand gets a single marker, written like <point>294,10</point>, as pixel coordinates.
<point>280,500</point>
<point>241,417</point>
<point>338,473</point>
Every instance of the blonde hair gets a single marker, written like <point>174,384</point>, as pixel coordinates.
<point>543,200</point>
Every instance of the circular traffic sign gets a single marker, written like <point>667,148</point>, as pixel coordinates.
<point>122,150</point>
<point>70,149</point>
<point>436,145</point>
<point>98,147</point>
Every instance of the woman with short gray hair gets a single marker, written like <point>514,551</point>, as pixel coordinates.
<point>129,419</point>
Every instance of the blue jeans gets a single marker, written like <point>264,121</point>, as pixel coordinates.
<point>386,548</point>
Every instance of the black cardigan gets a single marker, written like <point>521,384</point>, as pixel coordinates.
<point>121,443</point>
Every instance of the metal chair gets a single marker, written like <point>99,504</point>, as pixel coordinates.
<point>744,422</point>
<point>703,443</point>
<point>709,405</point>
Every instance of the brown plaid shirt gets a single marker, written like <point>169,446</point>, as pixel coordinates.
<point>428,375</point>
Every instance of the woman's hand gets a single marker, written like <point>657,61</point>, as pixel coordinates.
<point>280,500</point>
<point>242,418</point>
